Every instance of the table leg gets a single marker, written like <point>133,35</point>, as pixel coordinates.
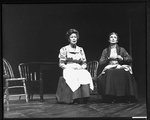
<point>41,87</point>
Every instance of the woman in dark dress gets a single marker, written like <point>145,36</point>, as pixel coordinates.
<point>116,82</point>
<point>75,84</point>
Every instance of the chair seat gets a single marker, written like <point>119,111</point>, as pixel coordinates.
<point>15,79</point>
<point>16,87</point>
<point>16,94</point>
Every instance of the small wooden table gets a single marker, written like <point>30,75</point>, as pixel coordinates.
<point>41,66</point>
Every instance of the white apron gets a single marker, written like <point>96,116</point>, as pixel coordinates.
<point>75,77</point>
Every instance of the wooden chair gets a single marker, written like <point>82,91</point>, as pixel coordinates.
<point>92,67</point>
<point>32,74</point>
<point>9,80</point>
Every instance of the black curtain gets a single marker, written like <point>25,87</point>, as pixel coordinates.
<point>36,32</point>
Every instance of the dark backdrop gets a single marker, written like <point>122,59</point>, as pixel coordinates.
<point>36,32</point>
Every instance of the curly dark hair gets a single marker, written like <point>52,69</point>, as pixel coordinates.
<point>69,32</point>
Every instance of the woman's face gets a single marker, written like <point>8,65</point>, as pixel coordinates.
<point>73,38</point>
<point>113,38</point>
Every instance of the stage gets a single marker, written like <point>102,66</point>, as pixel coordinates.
<point>51,109</point>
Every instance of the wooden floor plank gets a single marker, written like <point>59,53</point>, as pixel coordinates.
<point>51,109</point>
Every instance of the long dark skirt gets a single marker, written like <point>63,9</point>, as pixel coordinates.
<point>117,84</point>
<point>65,95</point>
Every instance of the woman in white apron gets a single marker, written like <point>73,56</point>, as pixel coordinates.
<point>76,83</point>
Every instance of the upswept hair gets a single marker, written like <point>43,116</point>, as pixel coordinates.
<point>69,32</point>
<point>115,34</point>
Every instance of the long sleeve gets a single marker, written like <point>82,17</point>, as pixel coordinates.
<point>127,59</point>
<point>62,57</point>
<point>104,58</point>
<point>84,65</point>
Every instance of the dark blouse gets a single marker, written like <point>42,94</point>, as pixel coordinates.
<point>127,59</point>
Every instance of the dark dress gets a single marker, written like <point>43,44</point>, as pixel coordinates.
<point>117,85</point>
<point>65,95</point>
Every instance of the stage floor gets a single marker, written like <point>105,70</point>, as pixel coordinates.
<point>51,109</point>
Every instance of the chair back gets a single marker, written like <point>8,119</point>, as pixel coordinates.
<point>7,69</point>
<point>29,71</point>
<point>92,67</point>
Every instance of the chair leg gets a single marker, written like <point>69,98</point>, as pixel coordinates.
<point>7,96</point>
<point>4,96</point>
<point>96,89</point>
<point>32,96</point>
<point>29,96</point>
<point>25,90</point>
<point>98,95</point>
<point>7,102</point>
<point>19,97</point>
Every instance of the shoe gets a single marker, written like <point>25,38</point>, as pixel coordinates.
<point>76,101</point>
<point>113,101</point>
<point>71,103</point>
<point>85,101</point>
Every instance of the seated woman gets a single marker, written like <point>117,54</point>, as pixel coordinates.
<point>76,83</point>
<point>116,82</point>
